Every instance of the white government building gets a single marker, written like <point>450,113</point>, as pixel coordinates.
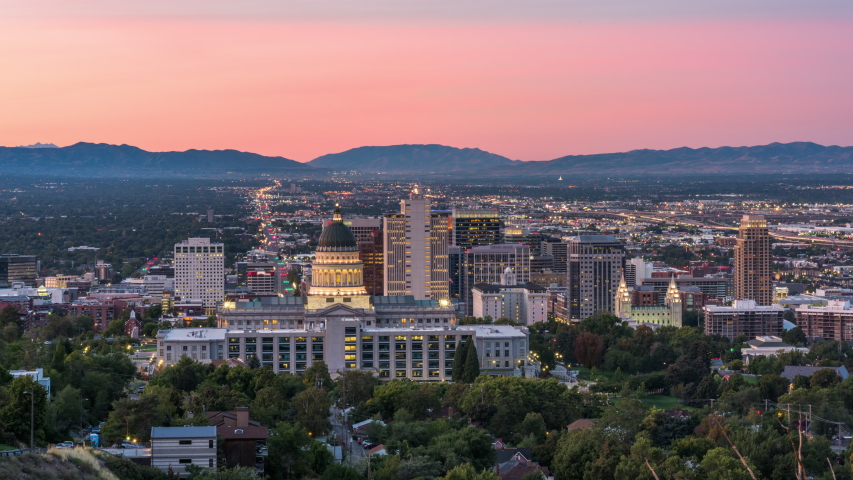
<point>338,323</point>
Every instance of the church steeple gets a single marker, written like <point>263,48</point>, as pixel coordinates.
<point>623,297</point>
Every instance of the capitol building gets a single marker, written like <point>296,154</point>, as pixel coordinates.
<point>339,323</point>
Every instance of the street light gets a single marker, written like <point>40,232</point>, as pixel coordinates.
<point>32,416</point>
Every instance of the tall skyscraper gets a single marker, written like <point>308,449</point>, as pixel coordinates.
<point>473,228</point>
<point>559,250</point>
<point>752,261</point>
<point>486,264</point>
<point>416,242</point>
<point>525,236</point>
<point>595,263</point>
<point>200,271</point>
<point>371,255</point>
<point>636,269</point>
<point>18,268</point>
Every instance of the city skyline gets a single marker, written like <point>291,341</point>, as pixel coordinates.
<point>529,83</point>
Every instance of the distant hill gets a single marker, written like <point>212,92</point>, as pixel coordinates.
<point>104,160</point>
<point>797,157</point>
<point>411,159</point>
<point>40,145</point>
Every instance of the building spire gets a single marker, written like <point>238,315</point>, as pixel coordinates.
<point>337,216</point>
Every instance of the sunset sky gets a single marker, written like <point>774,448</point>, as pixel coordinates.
<point>530,80</point>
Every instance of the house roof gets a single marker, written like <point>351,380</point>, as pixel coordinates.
<point>183,432</point>
<point>581,424</point>
<point>791,372</point>
<point>249,433</point>
<point>518,472</point>
<point>507,454</point>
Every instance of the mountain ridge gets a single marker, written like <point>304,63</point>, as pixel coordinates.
<point>105,160</point>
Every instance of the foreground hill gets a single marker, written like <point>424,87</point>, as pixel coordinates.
<point>412,159</point>
<point>100,159</point>
<point>797,157</point>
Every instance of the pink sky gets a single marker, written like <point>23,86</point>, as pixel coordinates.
<point>530,88</point>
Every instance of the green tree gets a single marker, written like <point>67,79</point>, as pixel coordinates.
<point>533,425</point>
<point>185,375</point>
<point>289,451</point>
<point>457,447</point>
<point>459,359</point>
<point>67,410</point>
<point>355,386</point>
<point>824,378</point>
<point>318,375</point>
<point>468,472</point>
<point>132,419</point>
<point>341,472</point>
<point>722,464</point>
<point>312,410</point>
<point>472,363</point>
<point>15,414</point>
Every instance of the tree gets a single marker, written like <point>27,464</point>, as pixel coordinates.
<point>459,359</point>
<point>341,472</point>
<point>67,410</point>
<point>312,410</point>
<point>794,336</point>
<point>133,419</point>
<point>185,375</point>
<point>318,375</point>
<point>468,445</point>
<point>472,363</point>
<point>722,464</point>
<point>115,328</point>
<point>15,414</point>
<point>533,425</point>
<point>468,472</point>
<point>355,386</point>
<point>589,349</point>
<point>289,452</point>
<point>254,362</point>
<point>824,378</point>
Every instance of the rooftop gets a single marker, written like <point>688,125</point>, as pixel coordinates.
<point>183,432</point>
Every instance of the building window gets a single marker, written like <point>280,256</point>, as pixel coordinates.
<point>185,442</point>
<point>185,460</point>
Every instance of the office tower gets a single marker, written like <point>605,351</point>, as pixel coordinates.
<point>473,228</point>
<point>456,262</point>
<point>752,261</point>
<point>542,263</point>
<point>525,236</point>
<point>486,264</point>
<point>360,227</point>
<point>595,270</point>
<point>636,269</point>
<point>18,269</point>
<point>416,242</point>
<point>372,255</point>
<point>102,271</point>
<point>209,215</point>
<point>557,249</point>
<point>259,277</point>
<point>200,271</point>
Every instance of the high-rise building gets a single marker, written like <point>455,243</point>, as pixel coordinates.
<point>486,264</point>
<point>595,264</point>
<point>18,268</point>
<point>416,242</point>
<point>456,262</point>
<point>102,271</point>
<point>259,277</point>
<point>209,215</point>
<point>473,228</point>
<point>636,269</point>
<point>752,261</point>
<point>558,250</point>
<point>371,255</point>
<point>743,317</point>
<point>200,271</point>
<point>525,236</point>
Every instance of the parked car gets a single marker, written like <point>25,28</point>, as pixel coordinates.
<point>130,445</point>
<point>65,445</point>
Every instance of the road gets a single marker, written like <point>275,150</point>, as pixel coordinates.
<point>353,448</point>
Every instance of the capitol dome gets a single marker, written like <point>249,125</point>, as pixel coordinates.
<point>337,237</point>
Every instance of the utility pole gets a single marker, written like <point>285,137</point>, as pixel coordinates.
<point>765,404</point>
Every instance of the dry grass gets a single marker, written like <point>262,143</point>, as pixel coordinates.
<point>84,456</point>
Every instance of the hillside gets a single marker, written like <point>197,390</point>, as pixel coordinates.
<point>797,157</point>
<point>411,159</point>
<point>99,159</point>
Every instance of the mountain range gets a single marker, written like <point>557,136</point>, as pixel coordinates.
<point>105,160</point>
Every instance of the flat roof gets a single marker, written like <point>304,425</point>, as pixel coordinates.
<point>196,334</point>
<point>183,432</point>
